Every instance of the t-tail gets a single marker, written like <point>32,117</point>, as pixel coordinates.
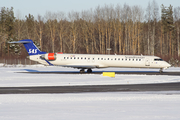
<point>30,47</point>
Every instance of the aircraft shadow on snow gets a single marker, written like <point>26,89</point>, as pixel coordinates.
<point>94,71</point>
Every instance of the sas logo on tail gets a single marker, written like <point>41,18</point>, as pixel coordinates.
<point>34,51</point>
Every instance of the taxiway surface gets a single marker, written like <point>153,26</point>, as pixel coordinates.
<point>92,88</point>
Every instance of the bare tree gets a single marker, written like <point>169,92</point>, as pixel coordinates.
<point>98,21</point>
<point>61,28</point>
<point>118,28</point>
<point>52,25</point>
<point>140,18</point>
<point>155,15</point>
<point>92,27</point>
<point>177,20</point>
<point>148,17</point>
<point>39,29</point>
<point>126,13</point>
<point>85,30</point>
<point>73,17</point>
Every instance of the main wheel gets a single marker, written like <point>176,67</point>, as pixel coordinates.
<point>82,71</point>
<point>89,71</point>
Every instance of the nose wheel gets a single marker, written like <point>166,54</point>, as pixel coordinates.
<point>161,70</point>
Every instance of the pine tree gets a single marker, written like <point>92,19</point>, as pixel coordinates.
<point>7,20</point>
<point>168,28</point>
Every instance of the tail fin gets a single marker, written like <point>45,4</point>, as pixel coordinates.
<point>30,47</point>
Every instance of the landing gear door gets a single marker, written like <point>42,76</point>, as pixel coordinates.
<point>147,62</point>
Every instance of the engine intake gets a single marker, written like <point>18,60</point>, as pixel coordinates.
<point>49,56</point>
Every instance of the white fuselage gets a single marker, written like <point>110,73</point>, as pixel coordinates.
<point>103,61</point>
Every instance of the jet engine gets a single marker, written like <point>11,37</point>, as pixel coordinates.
<point>49,56</point>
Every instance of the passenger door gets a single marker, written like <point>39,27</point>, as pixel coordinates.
<point>147,62</point>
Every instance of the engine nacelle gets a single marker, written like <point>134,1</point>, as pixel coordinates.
<point>49,56</point>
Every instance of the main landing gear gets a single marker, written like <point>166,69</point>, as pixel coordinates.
<point>82,71</point>
<point>88,71</point>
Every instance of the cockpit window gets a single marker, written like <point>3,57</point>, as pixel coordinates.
<point>158,59</point>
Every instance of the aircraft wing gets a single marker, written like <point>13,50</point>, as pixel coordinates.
<point>81,66</point>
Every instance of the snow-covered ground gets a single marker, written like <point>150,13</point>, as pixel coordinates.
<point>89,106</point>
<point>10,77</point>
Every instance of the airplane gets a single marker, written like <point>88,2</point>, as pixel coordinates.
<point>91,61</point>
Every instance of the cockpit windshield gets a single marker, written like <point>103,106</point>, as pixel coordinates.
<point>158,59</point>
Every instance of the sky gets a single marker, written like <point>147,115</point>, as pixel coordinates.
<point>40,7</point>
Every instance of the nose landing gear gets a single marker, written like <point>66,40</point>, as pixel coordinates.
<point>161,70</point>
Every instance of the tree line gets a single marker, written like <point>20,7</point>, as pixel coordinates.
<point>125,29</point>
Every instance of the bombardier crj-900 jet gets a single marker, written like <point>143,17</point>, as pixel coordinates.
<point>91,61</point>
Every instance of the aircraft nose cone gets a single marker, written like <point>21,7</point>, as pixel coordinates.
<point>168,65</point>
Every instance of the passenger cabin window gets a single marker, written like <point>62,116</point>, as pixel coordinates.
<point>118,58</point>
<point>158,59</point>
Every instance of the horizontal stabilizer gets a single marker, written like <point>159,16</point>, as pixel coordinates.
<point>20,42</point>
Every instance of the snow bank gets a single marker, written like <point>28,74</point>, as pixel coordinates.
<point>91,106</point>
